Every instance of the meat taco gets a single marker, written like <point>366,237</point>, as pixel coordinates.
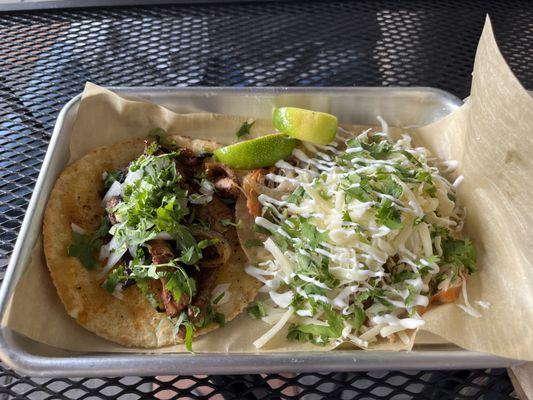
<point>140,241</point>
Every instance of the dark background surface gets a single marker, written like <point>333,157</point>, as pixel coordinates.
<point>46,56</point>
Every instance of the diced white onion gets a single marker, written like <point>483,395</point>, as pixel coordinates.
<point>114,190</point>
<point>78,229</point>
<point>217,291</point>
<point>283,300</point>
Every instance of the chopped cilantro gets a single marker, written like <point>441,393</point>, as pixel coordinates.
<point>357,318</point>
<point>257,311</point>
<point>411,158</point>
<point>410,297</point>
<point>353,143</point>
<point>161,138</point>
<point>229,222</point>
<point>318,334</point>
<point>111,177</point>
<point>389,215</point>
<point>346,216</point>
<point>360,190</point>
<point>423,175</point>
<point>312,234</point>
<point>190,255</point>
<point>379,150</point>
<point>84,246</point>
<point>296,196</point>
<point>387,185</point>
<point>364,296</point>
<point>189,331</point>
<point>404,275</point>
<point>210,316</point>
<point>460,252</point>
<point>324,195</point>
<point>244,129</point>
<point>114,278</point>
<point>431,190</point>
<point>419,220</point>
<point>178,283</point>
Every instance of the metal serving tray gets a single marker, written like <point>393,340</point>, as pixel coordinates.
<point>399,106</point>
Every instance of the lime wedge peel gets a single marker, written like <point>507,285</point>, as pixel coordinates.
<point>263,151</point>
<point>311,126</point>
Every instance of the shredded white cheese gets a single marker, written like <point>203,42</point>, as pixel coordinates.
<point>359,231</point>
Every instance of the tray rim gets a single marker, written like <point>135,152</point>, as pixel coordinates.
<point>120,364</point>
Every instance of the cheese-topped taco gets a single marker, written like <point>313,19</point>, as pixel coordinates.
<point>140,241</point>
<point>354,240</point>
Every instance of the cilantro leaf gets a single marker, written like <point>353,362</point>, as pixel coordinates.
<point>296,196</point>
<point>353,143</point>
<point>364,296</point>
<point>316,268</point>
<point>312,234</point>
<point>379,150</point>
<point>83,249</point>
<point>388,186</point>
<point>389,215</point>
<point>169,213</point>
<point>102,230</point>
<point>325,195</point>
<point>346,216</point>
<point>318,334</point>
<point>460,252</point>
<point>84,246</point>
<point>410,297</point>
<point>229,222</point>
<point>184,237</point>
<point>190,255</point>
<point>244,129</point>
<point>257,311</point>
<point>210,316</point>
<point>179,283</point>
<point>161,138</point>
<point>358,317</point>
<point>189,331</point>
<point>362,192</point>
<point>114,278</point>
<point>404,275</point>
<point>113,176</point>
<point>144,287</point>
<point>225,222</point>
<point>411,158</point>
<point>423,175</point>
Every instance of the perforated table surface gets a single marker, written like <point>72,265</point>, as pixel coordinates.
<point>46,56</point>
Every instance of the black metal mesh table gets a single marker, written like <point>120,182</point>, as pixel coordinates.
<point>45,57</point>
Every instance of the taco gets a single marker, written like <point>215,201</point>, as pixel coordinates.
<point>354,241</point>
<point>140,241</point>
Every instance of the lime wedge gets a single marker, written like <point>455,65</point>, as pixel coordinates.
<point>311,126</point>
<point>263,151</point>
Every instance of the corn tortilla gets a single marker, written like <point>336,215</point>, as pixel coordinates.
<point>131,321</point>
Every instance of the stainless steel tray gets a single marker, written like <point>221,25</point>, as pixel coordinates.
<point>399,106</point>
